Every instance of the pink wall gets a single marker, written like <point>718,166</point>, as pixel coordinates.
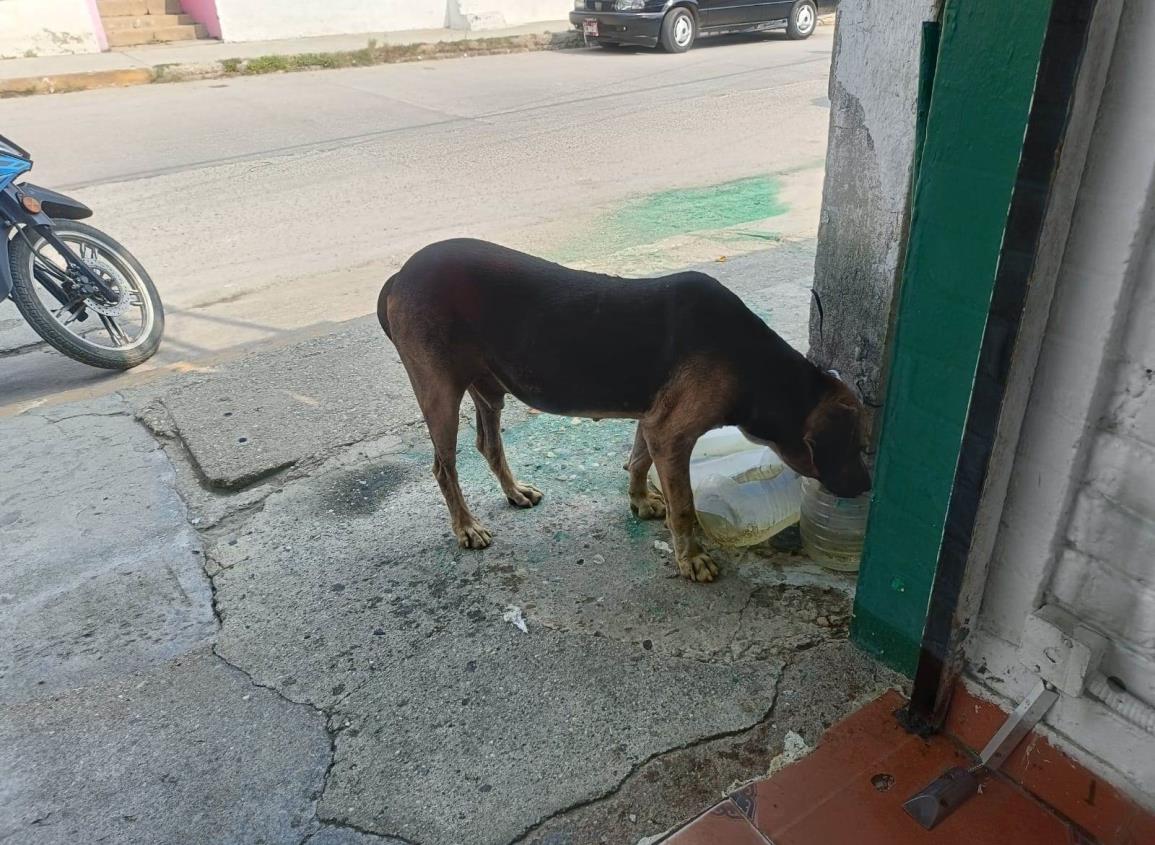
<point>97,25</point>
<point>204,11</point>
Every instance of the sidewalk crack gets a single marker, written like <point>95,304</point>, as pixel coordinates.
<point>657,755</point>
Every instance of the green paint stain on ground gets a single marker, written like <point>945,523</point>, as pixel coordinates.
<point>553,453</point>
<point>683,211</point>
<point>676,212</point>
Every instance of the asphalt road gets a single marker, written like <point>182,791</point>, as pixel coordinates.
<point>270,206</point>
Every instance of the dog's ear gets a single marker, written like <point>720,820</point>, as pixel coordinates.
<point>802,462</point>
<point>833,434</point>
<point>833,438</point>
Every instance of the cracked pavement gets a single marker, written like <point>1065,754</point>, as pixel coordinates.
<point>234,612</point>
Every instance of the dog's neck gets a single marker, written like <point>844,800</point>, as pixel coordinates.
<point>778,403</point>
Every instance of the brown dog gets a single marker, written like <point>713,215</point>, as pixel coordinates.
<point>681,354</point>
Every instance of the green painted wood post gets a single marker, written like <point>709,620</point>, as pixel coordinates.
<point>988,56</point>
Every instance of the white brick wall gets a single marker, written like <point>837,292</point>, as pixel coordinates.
<point>1106,573</point>
<point>1077,527</point>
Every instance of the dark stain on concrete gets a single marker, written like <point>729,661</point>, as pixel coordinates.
<point>360,491</point>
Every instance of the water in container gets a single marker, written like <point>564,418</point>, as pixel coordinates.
<point>832,528</point>
<point>724,451</point>
<point>743,493</point>
<point>750,511</point>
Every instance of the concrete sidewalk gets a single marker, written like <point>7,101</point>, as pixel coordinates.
<point>206,59</point>
<point>234,611</point>
<point>209,59</point>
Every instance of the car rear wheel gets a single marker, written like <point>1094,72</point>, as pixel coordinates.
<point>803,20</point>
<point>678,31</point>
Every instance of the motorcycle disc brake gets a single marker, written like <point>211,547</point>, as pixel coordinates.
<point>111,277</point>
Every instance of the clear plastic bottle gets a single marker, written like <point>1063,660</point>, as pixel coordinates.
<point>832,528</point>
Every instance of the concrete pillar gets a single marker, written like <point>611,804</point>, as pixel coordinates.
<point>861,232</point>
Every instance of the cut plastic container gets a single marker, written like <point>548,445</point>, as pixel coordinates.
<point>748,512</point>
<point>724,451</point>
<point>722,441</point>
<point>743,493</point>
<point>832,528</point>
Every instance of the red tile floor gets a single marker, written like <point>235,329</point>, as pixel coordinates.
<point>852,787</point>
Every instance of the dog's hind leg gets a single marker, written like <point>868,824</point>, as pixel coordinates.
<point>489,404</point>
<point>440,401</point>
<point>646,503</point>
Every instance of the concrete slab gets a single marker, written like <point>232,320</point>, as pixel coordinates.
<point>347,591</point>
<point>340,587</point>
<point>360,554</point>
<point>188,751</point>
<point>329,835</point>
<point>14,332</point>
<point>478,738</point>
<point>101,573</point>
<point>582,562</point>
<point>818,688</point>
<point>261,413</point>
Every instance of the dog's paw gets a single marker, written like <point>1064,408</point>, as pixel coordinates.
<point>650,505</point>
<point>698,567</point>
<point>472,536</point>
<point>523,495</point>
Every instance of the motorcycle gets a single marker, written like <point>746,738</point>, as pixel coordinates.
<point>79,289</point>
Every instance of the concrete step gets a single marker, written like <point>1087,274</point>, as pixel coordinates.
<point>119,8</point>
<point>134,37</point>
<point>122,8</point>
<point>146,22</point>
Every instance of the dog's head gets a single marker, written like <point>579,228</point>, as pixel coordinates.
<point>832,443</point>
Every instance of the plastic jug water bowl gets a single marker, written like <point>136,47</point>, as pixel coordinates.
<point>832,528</point>
<point>743,493</point>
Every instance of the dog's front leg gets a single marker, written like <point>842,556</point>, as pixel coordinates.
<point>671,456</point>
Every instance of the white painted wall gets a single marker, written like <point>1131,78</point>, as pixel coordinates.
<point>46,28</point>
<point>478,15</point>
<point>262,20</point>
<point>53,27</point>
<point>1078,523</point>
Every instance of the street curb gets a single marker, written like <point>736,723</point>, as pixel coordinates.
<point>64,82</point>
<point>372,54</point>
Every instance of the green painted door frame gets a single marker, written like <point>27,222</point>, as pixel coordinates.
<point>983,80</point>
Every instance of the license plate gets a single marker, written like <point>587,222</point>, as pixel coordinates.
<point>590,27</point>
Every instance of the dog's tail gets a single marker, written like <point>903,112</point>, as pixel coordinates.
<point>383,305</point>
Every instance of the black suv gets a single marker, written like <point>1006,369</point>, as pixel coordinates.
<point>676,24</point>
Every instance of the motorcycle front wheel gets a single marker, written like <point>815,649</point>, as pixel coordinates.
<point>114,335</point>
